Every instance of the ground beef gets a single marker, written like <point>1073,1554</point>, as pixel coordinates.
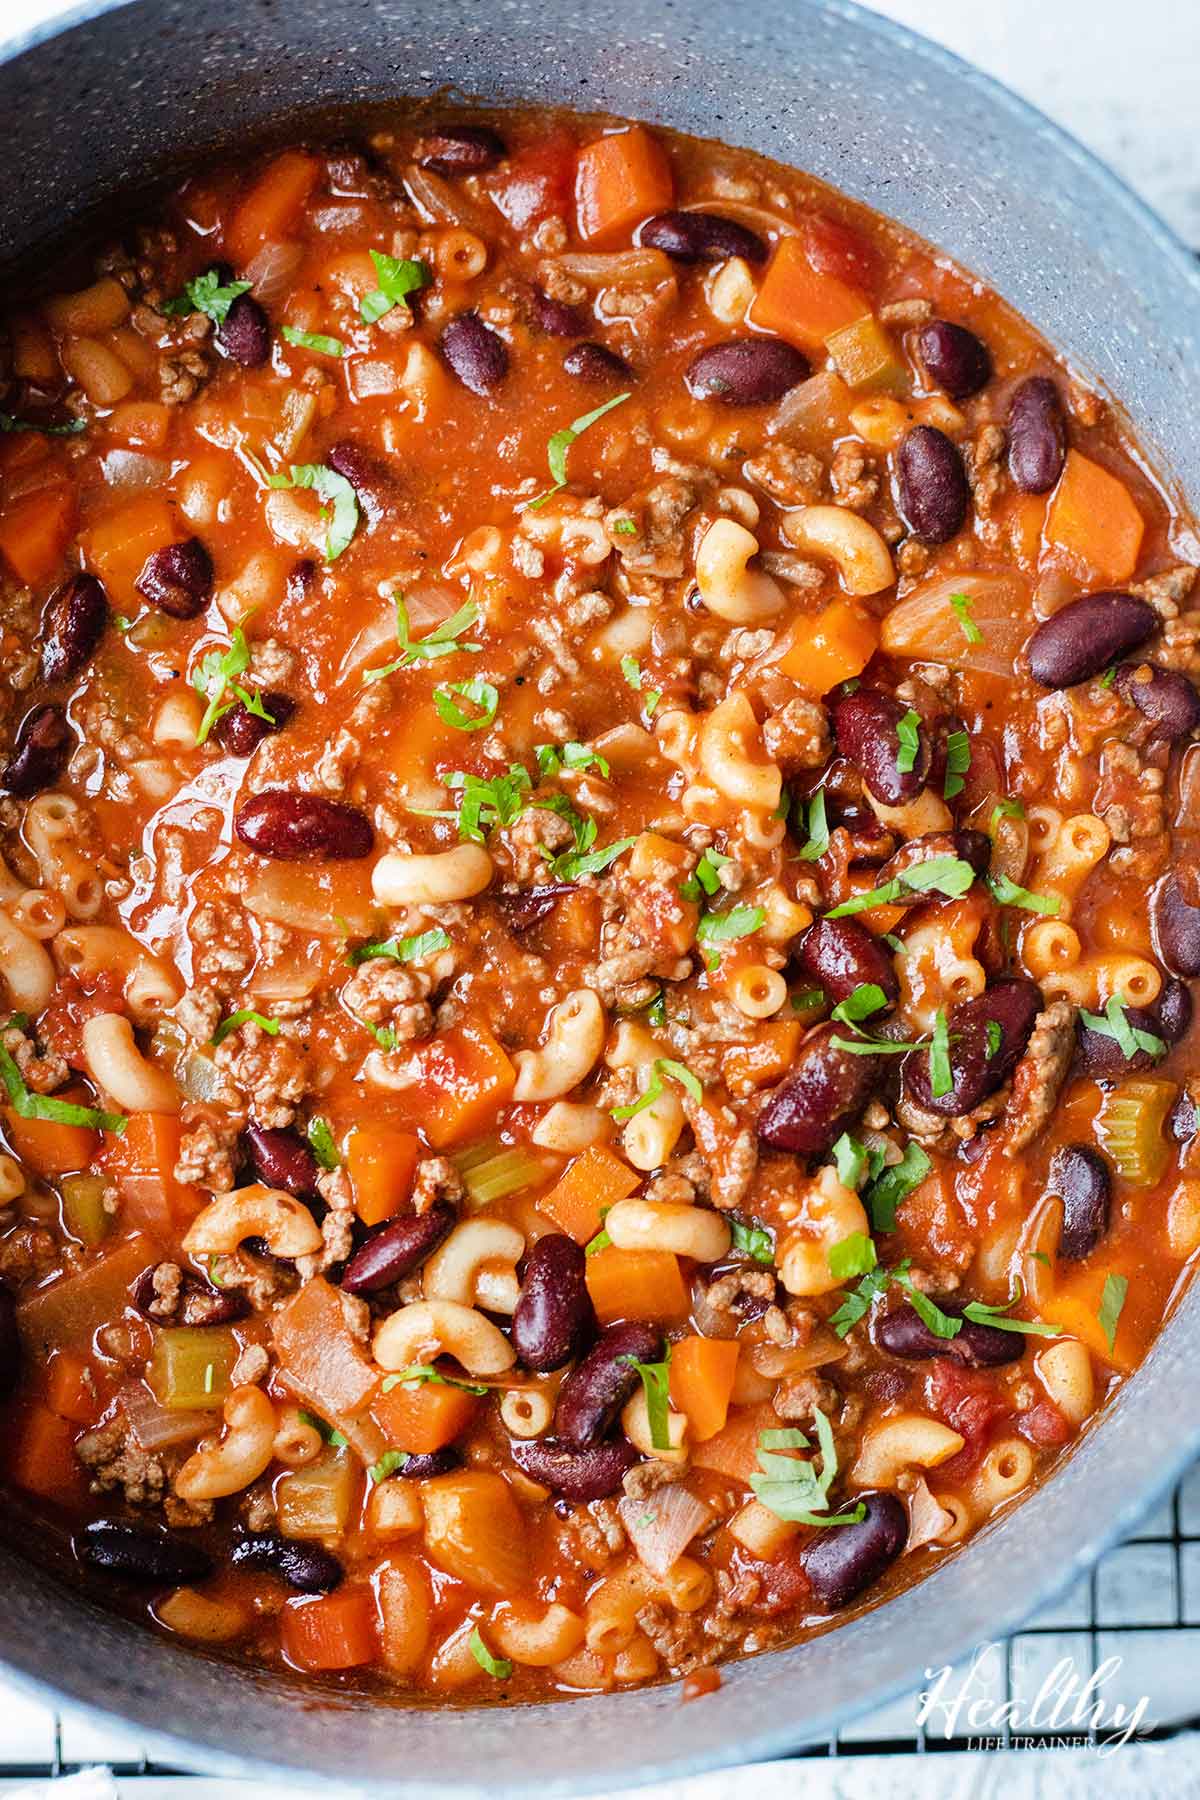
<point>272,664</point>
<point>222,951</point>
<point>262,1280</point>
<point>391,994</point>
<point>337,1227</point>
<point>166,1285</point>
<point>853,477</point>
<point>270,1073</point>
<point>199,1013</point>
<point>792,477</point>
<point>115,1461</point>
<point>437,1179</point>
<point>645,1478</point>
<point>250,1368</point>
<point>984,458</point>
<point>208,1156</point>
<point>1038,1077</point>
<point>797,736</point>
<point>906,312</point>
<point>531,832</point>
<point>27,1252</point>
<point>656,545</point>
<point>798,1397</point>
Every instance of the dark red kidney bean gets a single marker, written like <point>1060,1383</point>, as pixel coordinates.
<point>460,149</point>
<point>555,317</point>
<point>842,1560</point>
<point>840,955</point>
<point>955,359</point>
<point>199,1302</point>
<point>372,480</point>
<point>1098,1054</point>
<point>696,237</point>
<point>178,579</point>
<point>394,1250</point>
<point>419,1465</point>
<point>241,731</point>
<point>902,1332</point>
<point>10,1345</point>
<point>746,371</point>
<point>1163,696</point>
<point>310,1568</point>
<point>1183,1120</point>
<point>245,334</point>
<point>291,826</point>
<point>933,489</point>
<point>975,1069</point>
<point>595,362</point>
<point>597,1388</point>
<point>523,911</point>
<point>72,625</point>
<point>43,745</point>
<point>1173,1010</point>
<point>301,580</point>
<point>282,1159</point>
<point>866,727</point>
<point>1176,928</point>
<point>581,1475</point>
<point>553,1315</point>
<point>1080,1177</point>
<point>1086,635</point>
<point>1037,435</point>
<point>974,847</point>
<point>823,1096</point>
<point>141,1554</point>
<point>475,353</point>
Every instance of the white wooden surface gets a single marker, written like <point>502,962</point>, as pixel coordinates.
<point>1126,80</point>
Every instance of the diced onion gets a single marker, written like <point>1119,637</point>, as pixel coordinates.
<point>270,270</point>
<point>927,1517</point>
<point>927,626</point>
<point>608,268</point>
<point>756,217</point>
<point>156,1427</point>
<point>438,201</point>
<point>817,408</point>
<point>130,469</point>
<point>662,1525</point>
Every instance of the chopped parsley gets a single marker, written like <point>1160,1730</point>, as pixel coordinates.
<point>69,427</point>
<point>1112,1302</point>
<point>854,1161</point>
<point>941,1077</point>
<point>321,1142</point>
<point>958,761</point>
<point>894,1183</point>
<point>335,1439</point>
<point>995,1037</point>
<point>851,1256</point>
<point>858,1302</point>
<point>574,863</point>
<point>478,692</point>
<point>656,1381</point>
<point>752,1240</point>
<point>206,295</point>
<point>1114,1023</point>
<point>246,1016</point>
<point>336,492</point>
<point>28,1105</point>
<point>389,1462</point>
<point>485,804</point>
<point>726,927</point>
<point>675,1071</point>
<point>1008,893</point>
<point>215,680</point>
<point>443,640</point>
<point>949,875</point>
<point>417,1374</point>
<point>706,877</point>
<point>875,1281</point>
<point>1109,676</point>
<point>398,277</point>
<point>312,340</point>
<point>865,1000</point>
<point>552,759</point>
<point>1005,809</point>
<point>560,443</point>
<point>980,1313</point>
<point>908,731</point>
<point>625,528</point>
<point>817,842</point>
<point>631,669</point>
<point>495,1666</point>
<point>962,607</point>
<point>401,950</point>
<point>793,1489</point>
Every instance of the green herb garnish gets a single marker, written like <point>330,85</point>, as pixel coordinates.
<point>401,950</point>
<point>1112,1301</point>
<point>335,491</point>
<point>1114,1023</point>
<point>817,842</point>
<point>479,692</point>
<point>752,1240</point>
<point>28,1105</point>
<point>962,607</point>
<point>207,295</point>
<point>321,1142</point>
<point>246,1016</point>
<point>726,927</point>
<point>1008,893</point>
<point>398,277</point>
<point>443,640</point>
<point>958,761</point>
<point>908,733</point>
<point>215,681</point>
<point>495,1666</point>
<point>656,1380</point>
<point>676,1071</point>
<point>894,1183</point>
<point>416,1374</point>
<point>794,1489</point>
<point>561,442</point>
<point>705,878</point>
<point>312,340</point>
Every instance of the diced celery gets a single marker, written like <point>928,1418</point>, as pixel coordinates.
<point>191,1366</point>
<point>83,1210</point>
<point>315,1501</point>
<point>1130,1128</point>
<point>865,357</point>
<point>490,1171</point>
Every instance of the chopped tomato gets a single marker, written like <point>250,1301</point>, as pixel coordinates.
<point>971,1403</point>
<point>838,250</point>
<point>536,183</point>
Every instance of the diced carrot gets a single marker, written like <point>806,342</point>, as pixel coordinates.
<point>23,452</point>
<point>833,647</point>
<point>382,1162</point>
<point>702,1374</point>
<point>425,1417</point>
<point>34,533</point>
<point>271,205</point>
<point>573,928</point>
<point>733,1451</point>
<point>48,1147</point>
<point>1094,521</point>
<point>336,1631</point>
<point>637,1284</point>
<point>464,1080</point>
<point>142,1163</point>
<point>1026,517</point>
<point>70,1390</point>
<point>41,1456</point>
<point>802,303</point>
<point>318,1356</point>
<point>117,546</point>
<point>596,1180</point>
<point>765,1059</point>
<point>835,248</point>
<point>620,180</point>
<point>141,423</point>
<point>473,1529</point>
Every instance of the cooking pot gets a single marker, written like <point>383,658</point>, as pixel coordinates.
<point>110,94</point>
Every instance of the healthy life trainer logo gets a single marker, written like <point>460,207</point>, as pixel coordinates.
<point>1068,1705</point>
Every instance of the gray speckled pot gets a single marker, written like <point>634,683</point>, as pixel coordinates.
<point>108,95</point>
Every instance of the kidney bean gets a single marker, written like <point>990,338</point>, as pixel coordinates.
<point>523,911</point>
<point>72,625</point>
<point>419,1465</point>
<point>1080,1176</point>
<point>933,490</point>
<point>475,353</point>
<point>954,358</point>
<point>40,753</point>
<point>695,237</point>
<point>372,480</point>
<point>554,1313</point>
<point>902,1332</point>
<point>841,955</point>
<point>10,1345</point>
<point>1182,1120</point>
<point>1086,635</point>
<point>1164,696</point>
<point>842,1560</point>
<point>394,1250</point>
<point>975,1070</point>
<point>1176,928</point>
<point>866,727</point>
<point>746,371</point>
<point>822,1097</point>
<point>241,731</point>
<point>282,1159</point>
<point>292,826</point>
<point>301,581</point>
<point>596,362</point>
<point>142,1554</point>
<point>178,579</point>
<point>597,1388</point>
<point>308,1567</point>
<point>460,149</point>
<point>1168,1016</point>
<point>555,317</point>
<point>245,335</point>
<point>590,1474</point>
<point>1037,435</point>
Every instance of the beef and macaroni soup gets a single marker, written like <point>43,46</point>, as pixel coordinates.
<point>599,882</point>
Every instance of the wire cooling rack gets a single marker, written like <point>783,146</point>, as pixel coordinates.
<point>1132,1626</point>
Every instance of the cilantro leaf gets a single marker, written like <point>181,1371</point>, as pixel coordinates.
<point>656,1381</point>
<point>705,877</point>
<point>949,875</point>
<point>552,759</point>
<point>574,863</point>
<point>850,1256</point>
<point>561,442</point>
<point>398,277</point>
<point>214,680</point>
<point>662,1065</point>
<point>752,1240</point>
<point>865,1000</point>
<point>206,294</point>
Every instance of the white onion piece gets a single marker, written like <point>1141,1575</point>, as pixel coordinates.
<point>270,270</point>
<point>927,1517</point>
<point>131,469</point>
<point>607,268</point>
<point>438,200</point>
<point>818,408</point>
<point>157,1427</point>
<point>756,217</point>
<point>662,1525</point>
